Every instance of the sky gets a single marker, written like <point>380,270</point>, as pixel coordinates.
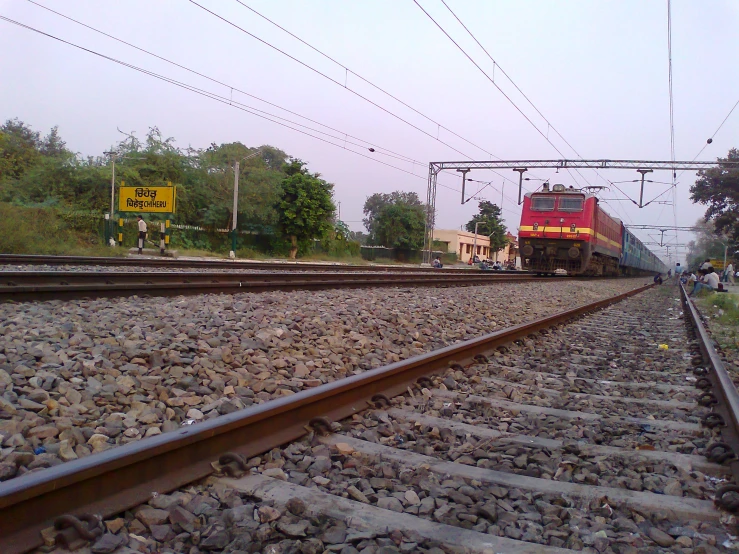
<point>596,70</point>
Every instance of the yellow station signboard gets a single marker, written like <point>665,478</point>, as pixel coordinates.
<point>147,199</point>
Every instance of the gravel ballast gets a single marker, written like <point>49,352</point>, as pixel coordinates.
<point>84,376</point>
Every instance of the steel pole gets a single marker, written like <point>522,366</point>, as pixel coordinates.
<point>464,181</point>
<point>641,193</point>
<point>112,193</point>
<point>232,254</point>
<point>521,171</point>
<point>474,242</point>
<point>112,189</point>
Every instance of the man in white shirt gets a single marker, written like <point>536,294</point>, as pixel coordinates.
<point>730,273</point>
<point>709,282</point>
<point>705,265</point>
<point>142,233</point>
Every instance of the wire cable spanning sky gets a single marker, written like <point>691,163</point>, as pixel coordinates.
<point>609,98</point>
<point>234,88</point>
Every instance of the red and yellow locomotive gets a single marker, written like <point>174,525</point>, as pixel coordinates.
<point>565,229</point>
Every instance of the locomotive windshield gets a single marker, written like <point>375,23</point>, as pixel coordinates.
<point>569,204</point>
<point>542,203</point>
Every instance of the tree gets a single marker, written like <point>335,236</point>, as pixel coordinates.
<point>708,244</point>
<point>306,208</point>
<point>259,184</point>
<point>19,148</point>
<point>491,224</point>
<point>376,202</point>
<point>400,225</point>
<point>53,145</point>
<point>718,187</point>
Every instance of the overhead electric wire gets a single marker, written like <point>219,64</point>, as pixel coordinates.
<point>713,135</point>
<point>324,75</point>
<point>492,81</point>
<point>233,88</point>
<point>207,94</point>
<point>496,64</point>
<point>351,90</point>
<point>672,115</point>
<point>358,76</point>
<point>266,43</point>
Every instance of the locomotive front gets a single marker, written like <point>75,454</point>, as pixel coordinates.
<point>555,231</point>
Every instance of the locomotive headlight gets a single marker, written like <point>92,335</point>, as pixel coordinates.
<point>536,226</point>
<point>528,250</point>
<point>572,227</point>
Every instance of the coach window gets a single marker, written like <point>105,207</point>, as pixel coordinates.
<point>542,203</point>
<point>570,204</point>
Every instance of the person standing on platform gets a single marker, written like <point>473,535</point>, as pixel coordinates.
<point>142,233</point>
<point>730,273</point>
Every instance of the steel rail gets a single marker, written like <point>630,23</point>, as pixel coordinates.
<point>33,259</point>
<point>39,286</point>
<point>23,278</point>
<point>727,394</point>
<point>113,481</point>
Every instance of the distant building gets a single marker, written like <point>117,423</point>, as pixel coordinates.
<point>463,243</point>
<point>510,250</point>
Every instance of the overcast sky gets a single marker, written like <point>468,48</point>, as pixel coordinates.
<point>597,70</point>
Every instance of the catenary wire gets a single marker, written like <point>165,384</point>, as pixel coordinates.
<point>210,95</point>
<point>361,78</point>
<point>266,43</point>
<point>225,20</point>
<point>496,64</point>
<point>713,135</point>
<point>349,89</point>
<point>672,117</point>
<point>510,100</point>
<point>230,87</point>
<point>324,75</point>
<point>549,124</point>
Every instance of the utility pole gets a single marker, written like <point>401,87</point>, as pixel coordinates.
<point>641,194</point>
<point>464,173</point>
<point>474,242</point>
<point>232,254</point>
<point>339,211</point>
<point>112,193</point>
<point>520,171</point>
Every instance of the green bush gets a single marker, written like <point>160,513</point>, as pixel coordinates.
<point>45,231</point>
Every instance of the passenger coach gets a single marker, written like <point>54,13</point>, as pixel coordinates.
<point>565,229</point>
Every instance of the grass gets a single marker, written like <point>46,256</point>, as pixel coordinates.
<point>251,254</point>
<point>195,253</point>
<point>355,260</point>
<point>41,231</point>
<point>723,311</point>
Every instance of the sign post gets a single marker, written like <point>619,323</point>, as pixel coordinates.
<point>146,199</point>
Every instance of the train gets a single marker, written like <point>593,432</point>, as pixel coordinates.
<point>565,230</point>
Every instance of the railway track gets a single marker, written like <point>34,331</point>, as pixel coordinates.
<point>576,431</point>
<point>33,259</point>
<point>54,285</point>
